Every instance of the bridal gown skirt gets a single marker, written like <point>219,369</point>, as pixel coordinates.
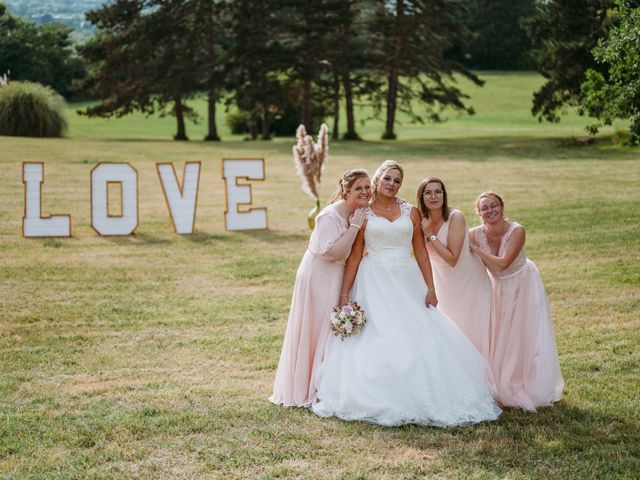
<point>410,363</point>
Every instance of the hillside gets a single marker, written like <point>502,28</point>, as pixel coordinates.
<point>67,12</point>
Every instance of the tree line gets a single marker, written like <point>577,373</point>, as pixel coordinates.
<point>279,63</point>
<point>278,59</point>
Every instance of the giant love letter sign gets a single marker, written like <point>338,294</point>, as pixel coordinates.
<point>101,220</point>
<point>247,169</point>
<point>181,200</point>
<point>34,224</point>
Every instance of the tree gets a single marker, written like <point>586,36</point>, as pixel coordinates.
<point>307,32</point>
<point>499,41</point>
<point>565,32</point>
<point>210,17</point>
<point>618,94</point>
<point>143,58</point>
<point>413,58</point>
<point>257,64</point>
<point>39,54</point>
<point>348,54</point>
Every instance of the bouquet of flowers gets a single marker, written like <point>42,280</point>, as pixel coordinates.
<point>348,320</point>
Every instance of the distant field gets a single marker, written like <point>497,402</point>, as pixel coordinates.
<point>152,356</point>
<point>503,107</point>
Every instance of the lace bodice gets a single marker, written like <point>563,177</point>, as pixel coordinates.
<point>389,241</point>
<point>483,243</point>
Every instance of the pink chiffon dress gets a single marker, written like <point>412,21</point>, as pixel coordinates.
<point>464,291</point>
<point>315,293</point>
<point>523,353</point>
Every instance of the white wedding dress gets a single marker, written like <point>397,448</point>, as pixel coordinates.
<point>410,363</point>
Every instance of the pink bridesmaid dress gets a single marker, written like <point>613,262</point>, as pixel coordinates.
<point>523,352</point>
<point>315,293</point>
<point>464,291</point>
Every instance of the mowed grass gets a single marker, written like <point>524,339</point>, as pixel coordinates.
<point>152,356</point>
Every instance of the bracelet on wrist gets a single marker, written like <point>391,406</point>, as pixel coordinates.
<point>355,225</point>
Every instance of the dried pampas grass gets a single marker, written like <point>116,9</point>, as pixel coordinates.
<point>310,159</point>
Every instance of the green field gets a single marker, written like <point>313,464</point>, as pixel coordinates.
<point>152,356</point>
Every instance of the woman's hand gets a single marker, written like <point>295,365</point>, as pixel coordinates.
<point>431,300</point>
<point>358,217</point>
<point>426,227</point>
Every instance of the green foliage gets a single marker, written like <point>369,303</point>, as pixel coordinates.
<point>412,38</point>
<point>42,54</point>
<point>621,137</point>
<point>499,41</point>
<point>31,110</point>
<point>283,124</point>
<point>237,121</point>
<point>565,32</point>
<point>617,95</point>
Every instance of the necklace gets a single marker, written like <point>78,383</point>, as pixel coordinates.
<point>388,209</point>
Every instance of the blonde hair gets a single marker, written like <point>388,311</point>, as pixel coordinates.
<point>346,182</point>
<point>380,171</point>
<point>488,195</point>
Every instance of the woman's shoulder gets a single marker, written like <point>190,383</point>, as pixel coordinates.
<point>454,213</point>
<point>330,212</point>
<point>513,226</point>
<point>405,207</point>
<point>331,209</point>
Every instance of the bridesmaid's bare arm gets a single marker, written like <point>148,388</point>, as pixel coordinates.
<point>353,262</point>
<point>457,229</point>
<point>511,251</point>
<point>422,257</point>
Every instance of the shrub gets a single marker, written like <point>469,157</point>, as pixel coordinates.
<point>31,110</point>
<point>283,124</point>
<point>237,121</point>
<point>622,136</point>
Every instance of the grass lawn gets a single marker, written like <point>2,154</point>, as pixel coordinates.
<point>152,356</point>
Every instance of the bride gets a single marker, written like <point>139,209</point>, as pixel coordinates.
<point>410,363</point>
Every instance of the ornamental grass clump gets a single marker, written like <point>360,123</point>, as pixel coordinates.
<point>310,159</point>
<point>31,110</point>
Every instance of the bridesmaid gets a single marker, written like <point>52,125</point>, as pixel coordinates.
<point>317,290</point>
<point>523,352</point>
<point>460,277</point>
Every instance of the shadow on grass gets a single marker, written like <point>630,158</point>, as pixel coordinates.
<point>240,237</point>
<point>138,239</point>
<point>479,149</point>
<point>564,439</point>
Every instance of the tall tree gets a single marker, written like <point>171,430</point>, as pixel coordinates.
<point>349,55</point>
<point>306,30</point>
<point>617,97</point>
<point>256,63</point>
<point>143,57</point>
<point>499,40</point>
<point>413,60</point>
<point>565,32</point>
<point>210,16</point>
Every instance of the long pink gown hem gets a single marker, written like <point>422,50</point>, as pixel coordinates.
<point>315,293</point>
